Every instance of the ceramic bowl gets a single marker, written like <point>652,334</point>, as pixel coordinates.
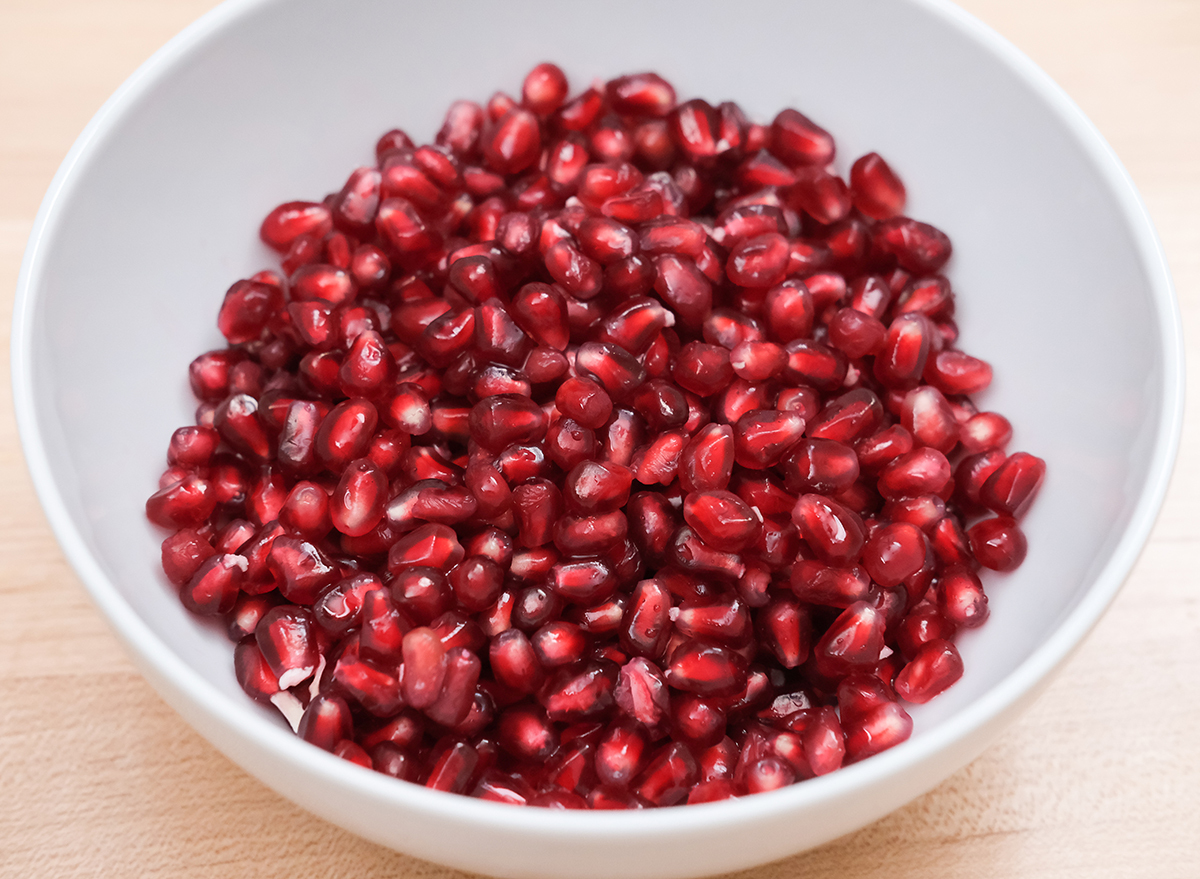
<point>1061,282</point>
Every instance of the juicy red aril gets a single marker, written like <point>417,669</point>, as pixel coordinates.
<point>936,666</point>
<point>606,453</point>
<point>875,188</point>
<point>998,543</point>
<point>1011,487</point>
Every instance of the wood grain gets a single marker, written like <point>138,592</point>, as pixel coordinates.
<point>1100,779</point>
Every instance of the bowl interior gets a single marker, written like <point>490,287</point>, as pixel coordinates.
<point>269,102</point>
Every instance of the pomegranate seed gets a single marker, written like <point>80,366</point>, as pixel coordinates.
<point>960,598</point>
<point>876,189</point>
<point>924,623</point>
<point>1011,487</point>
<point>798,140</point>
<point>214,587</point>
<point>326,722</point>
<point>684,288</point>
<point>760,261</point>
<point>922,471</point>
<point>894,552</point>
<point>784,631</point>
<point>640,94</point>
<point>917,247</point>
<point>669,776</point>
<point>454,768</point>
<point>936,666</point>
<point>853,641</point>
<point>878,729</point>
<point>987,430</point>
<point>287,637</point>
<point>721,519</point>
<point>545,89</point>
<point>578,693</point>
<point>706,670</point>
<point>998,543</point>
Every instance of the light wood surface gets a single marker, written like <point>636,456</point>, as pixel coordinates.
<point>1100,779</point>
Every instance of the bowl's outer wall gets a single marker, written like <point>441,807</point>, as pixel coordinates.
<point>157,214</point>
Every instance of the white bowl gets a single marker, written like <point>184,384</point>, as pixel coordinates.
<point>1062,286</point>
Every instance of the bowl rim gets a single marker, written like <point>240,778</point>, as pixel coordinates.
<point>151,650</point>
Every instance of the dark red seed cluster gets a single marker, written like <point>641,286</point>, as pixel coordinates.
<point>608,452</point>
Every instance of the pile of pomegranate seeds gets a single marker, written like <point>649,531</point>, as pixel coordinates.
<point>607,453</point>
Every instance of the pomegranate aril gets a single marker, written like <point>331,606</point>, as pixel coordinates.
<point>669,776</point>
<point>875,188</point>
<point>183,553</point>
<point>893,553</point>
<point>762,437</point>
<point>579,692</point>
<point>760,261</point>
<point>796,139</point>
<point>185,503</point>
<point>917,247</point>
<point>961,599</point>
<point>454,768</point>
<point>213,589</point>
<point>853,641</point>
<point>876,730</point>
<point>640,94</point>
<point>1011,487</point>
<point>935,668</point>
<point>721,519</point>
<point>998,543</point>
<point>922,471</point>
<point>831,530</point>
<point>620,754</point>
<point>636,324</point>
<point>706,670</point>
<point>287,637</point>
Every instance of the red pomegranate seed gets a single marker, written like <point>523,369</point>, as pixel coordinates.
<point>961,599</point>
<point>360,498</point>
<point>894,552</point>
<point>684,288</point>
<point>305,512</point>
<point>798,140</point>
<point>545,89</point>
<point>876,189</point>
<point>706,670</point>
<point>784,631</point>
<point>669,776</point>
<point>936,666</point>
<point>620,754</point>
<point>831,530</point>
<point>291,220</point>
<point>214,588</point>
<point>917,247</point>
<point>721,519</point>
<point>640,94</point>
<point>853,641</point>
<point>924,623</point>
<point>287,637</point>
<point>927,415</point>
<point>876,730</point>
<point>760,261</point>
<point>987,430</point>
<point>922,471</point>
<point>1011,487</point>
<point>998,543</point>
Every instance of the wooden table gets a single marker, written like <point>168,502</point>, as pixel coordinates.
<point>1100,779</point>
